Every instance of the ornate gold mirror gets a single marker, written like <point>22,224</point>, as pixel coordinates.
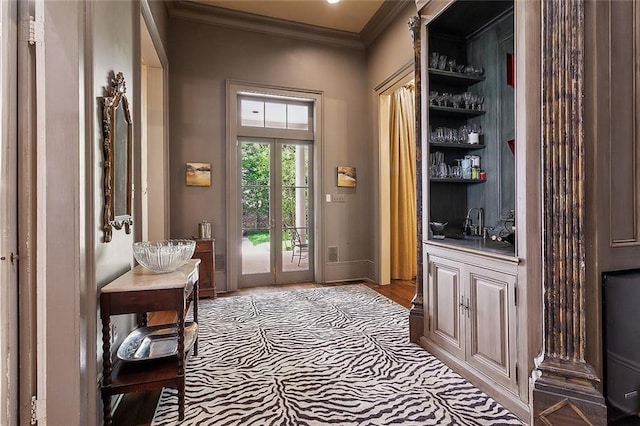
<point>116,127</point>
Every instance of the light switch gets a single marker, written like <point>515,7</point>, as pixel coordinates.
<point>328,198</point>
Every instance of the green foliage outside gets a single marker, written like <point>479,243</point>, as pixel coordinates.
<point>255,189</point>
<point>258,237</point>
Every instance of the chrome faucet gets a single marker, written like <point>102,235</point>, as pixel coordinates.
<point>469,227</point>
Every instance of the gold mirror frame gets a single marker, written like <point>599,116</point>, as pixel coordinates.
<point>117,147</point>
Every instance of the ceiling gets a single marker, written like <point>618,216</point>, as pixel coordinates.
<point>347,15</point>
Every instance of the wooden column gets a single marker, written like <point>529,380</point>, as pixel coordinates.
<point>565,393</point>
<point>416,314</point>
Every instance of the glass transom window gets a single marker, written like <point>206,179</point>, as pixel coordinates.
<point>275,113</point>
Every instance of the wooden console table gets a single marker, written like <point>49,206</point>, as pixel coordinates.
<point>137,292</point>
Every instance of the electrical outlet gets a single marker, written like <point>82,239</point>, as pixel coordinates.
<point>338,198</point>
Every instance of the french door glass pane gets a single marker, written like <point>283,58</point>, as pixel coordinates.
<point>256,204</point>
<point>295,207</point>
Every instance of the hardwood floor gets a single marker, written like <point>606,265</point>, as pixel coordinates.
<point>137,409</point>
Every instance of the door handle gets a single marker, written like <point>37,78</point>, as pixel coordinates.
<point>463,306</point>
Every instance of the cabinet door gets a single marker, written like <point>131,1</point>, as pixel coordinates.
<point>445,296</point>
<point>491,325</point>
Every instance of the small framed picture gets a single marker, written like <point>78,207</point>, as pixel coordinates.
<point>198,174</point>
<point>346,176</point>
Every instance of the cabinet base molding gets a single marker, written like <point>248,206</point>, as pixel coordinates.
<point>566,394</point>
<point>416,319</point>
<point>506,398</point>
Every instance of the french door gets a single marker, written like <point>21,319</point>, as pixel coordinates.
<point>276,211</point>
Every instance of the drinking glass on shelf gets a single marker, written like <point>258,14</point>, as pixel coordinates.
<point>473,101</point>
<point>446,97</point>
<point>443,171</point>
<point>466,168</point>
<point>451,65</point>
<point>456,100</point>
<point>450,136</point>
<point>480,101</point>
<point>476,128</point>
<point>433,60</point>
<point>442,62</point>
<point>462,134</point>
<point>466,97</point>
<point>433,95</point>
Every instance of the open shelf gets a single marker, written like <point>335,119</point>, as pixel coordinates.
<point>453,78</point>
<point>450,111</point>
<point>450,180</point>
<point>465,146</point>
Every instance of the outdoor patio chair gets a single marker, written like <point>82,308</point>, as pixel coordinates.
<point>300,248</point>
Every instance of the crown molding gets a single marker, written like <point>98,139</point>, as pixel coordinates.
<point>191,11</point>
<point>389,11</point>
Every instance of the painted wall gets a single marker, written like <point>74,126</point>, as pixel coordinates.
<point>391,50</point>
<point>388,54</point>
<point>202,58</point>
<point>161,19</point>
<point>76,263</point>
<point>58,228</point>
<point>113,37</point>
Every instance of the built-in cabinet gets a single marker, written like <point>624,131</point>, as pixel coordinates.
<point>472,312</point>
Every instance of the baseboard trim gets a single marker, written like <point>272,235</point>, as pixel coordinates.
<point>348,271</point>
<point>502,395</point>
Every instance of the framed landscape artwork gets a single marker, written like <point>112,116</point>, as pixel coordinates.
<point>199,174</point>
<point>346,176</point>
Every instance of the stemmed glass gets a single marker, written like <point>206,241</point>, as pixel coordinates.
<point>433,95</point>
<point>456,99</point>
<point>433,60</point>
<point>442,62</point>
<point>466,97</point>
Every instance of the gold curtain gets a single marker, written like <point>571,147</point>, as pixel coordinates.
<point>403,184</point>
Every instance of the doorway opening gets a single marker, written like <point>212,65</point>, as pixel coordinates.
<point>154,165</point>
<point>272,214</point>
<point>396,171</point>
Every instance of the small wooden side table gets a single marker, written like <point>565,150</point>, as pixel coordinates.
<point>206,252</point>
<point>137,292</point>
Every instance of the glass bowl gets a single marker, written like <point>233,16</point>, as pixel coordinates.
<point>163,256</point>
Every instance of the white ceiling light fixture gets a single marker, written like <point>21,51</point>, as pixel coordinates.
<point>332,1</point>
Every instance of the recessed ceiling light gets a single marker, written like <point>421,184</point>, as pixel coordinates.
<point>332,1</point>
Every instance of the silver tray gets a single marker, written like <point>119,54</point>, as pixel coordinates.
<point>158,341</point>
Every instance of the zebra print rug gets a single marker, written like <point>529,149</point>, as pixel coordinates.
<point>332,355</point>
